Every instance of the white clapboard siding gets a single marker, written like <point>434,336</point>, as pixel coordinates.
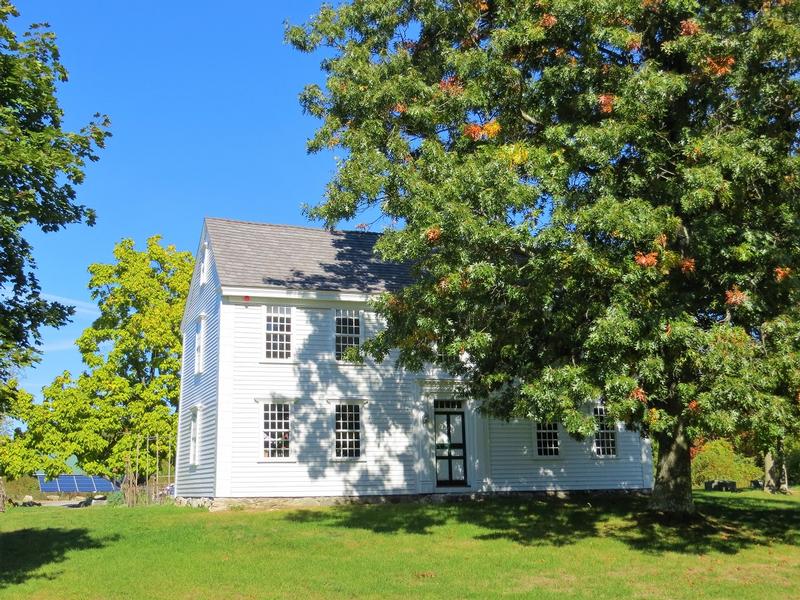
<point>397,447</point>
<point>515,466</point>
<point>199,391</point>
<point>312,383</point>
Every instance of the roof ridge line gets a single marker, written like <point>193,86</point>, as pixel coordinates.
<point>288,226</point>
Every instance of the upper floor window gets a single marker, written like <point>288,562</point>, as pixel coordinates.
<point>199,344</point>
<point>348,331</point>
<point>605,438</point>
<point>277,433</point>
<point>279,332</point>
<point>204,264</point>
<point>546,439</point>
<point>348,431</point>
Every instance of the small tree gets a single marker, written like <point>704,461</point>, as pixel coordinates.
<point>130,388</point>
<point>599,199</point>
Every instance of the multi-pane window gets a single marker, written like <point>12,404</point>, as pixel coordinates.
<point>605,438</point>
<point>193,434</point>
<point>348,431</point>
<point>277,434</point>
<point>547,439</point>
<point>279,332</point>
<point>348,331</point>
<point>199,342</point>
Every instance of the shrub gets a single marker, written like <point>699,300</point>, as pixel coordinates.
<point>718,460</point>
<point>18,488</point>
<point>116,499</point>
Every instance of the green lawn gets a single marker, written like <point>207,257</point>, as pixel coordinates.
<point>745,546</point>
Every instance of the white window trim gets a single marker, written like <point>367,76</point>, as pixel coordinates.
<point>199,356</point>
<point>615,428</point>
<point>194,444</point>
<point>292,458</point>
<point>264,359</point>
<point>204,264</point>
<point>360,335</point>
<point>546,457</point>
<point>362,437</point>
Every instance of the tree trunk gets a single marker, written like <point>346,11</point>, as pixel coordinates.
<point>775,476</point>
<point>2,496</point>
<point>672,492</point>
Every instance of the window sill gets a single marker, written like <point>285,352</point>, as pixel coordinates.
<point>606,457</point>
<point>342,363</point>
<point>348,460</point>
<point>453,488</point>
<point>557,458</point>
<point>278,361</point>
<point>272,461</point>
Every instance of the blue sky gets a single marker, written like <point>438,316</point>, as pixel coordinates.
<point>205,122</point>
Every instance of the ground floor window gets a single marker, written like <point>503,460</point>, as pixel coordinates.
<point>277,434</point>
<point>605,438</point>
<point>546,439</point>
<point>193,436</point>
<point>348,431</point>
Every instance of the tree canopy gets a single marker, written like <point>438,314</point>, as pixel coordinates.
<point>599,200</point>
<point>41,164</point>
<point>131,385</point>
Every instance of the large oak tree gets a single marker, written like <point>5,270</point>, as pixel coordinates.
<point>599,199</point>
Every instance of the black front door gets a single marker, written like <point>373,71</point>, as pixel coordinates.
<point>451,444</point>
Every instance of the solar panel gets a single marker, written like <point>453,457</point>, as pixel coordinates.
<point>72,484</point>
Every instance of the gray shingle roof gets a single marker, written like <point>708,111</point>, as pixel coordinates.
<point>285,256</point>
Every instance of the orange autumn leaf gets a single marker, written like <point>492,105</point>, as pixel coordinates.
<point>640,395</point>
<point>606,102</point>
<point>646,260</point>
<point>689,27</point>
<point>661,240</point>
<point>719,66</point>
<point>473,131</point>
<point>782,273</point>
<point>694,406</point>
<point>547,21</point>
<point>399,108</point>
<point>433,234</point>
<point>735,296</point>
<point>451,85</point>
<point>687,265</point>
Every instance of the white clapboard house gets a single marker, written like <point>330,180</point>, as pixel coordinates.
<point>269,408</point>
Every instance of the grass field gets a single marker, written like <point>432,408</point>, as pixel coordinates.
<point>745,546</point>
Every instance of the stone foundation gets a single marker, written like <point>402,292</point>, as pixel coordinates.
<point>194,502</point>
<point>221,504</point>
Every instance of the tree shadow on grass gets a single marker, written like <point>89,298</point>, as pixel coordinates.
<point>24,551</point>
<point>726,525</point>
